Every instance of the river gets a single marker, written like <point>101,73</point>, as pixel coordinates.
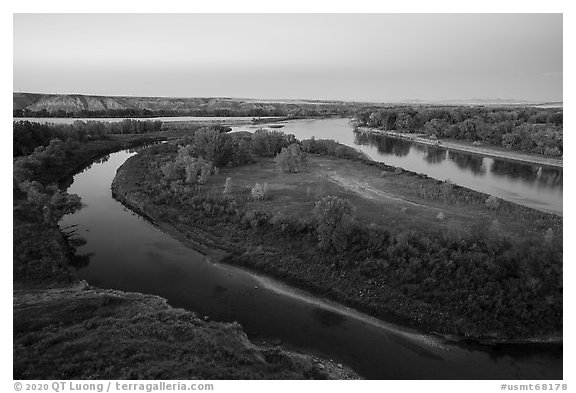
<point>535,186</point>
<point>128,253</point>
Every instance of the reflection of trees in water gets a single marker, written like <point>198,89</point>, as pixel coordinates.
<point>101,160</point>
<point>543,176</point>
<point>384,144</point>
<point>468,161</point>
<point>79,261</point>
<point>433,155</point>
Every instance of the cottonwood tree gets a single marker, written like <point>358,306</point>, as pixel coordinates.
<point>211,144</point>
<point>334,223</point>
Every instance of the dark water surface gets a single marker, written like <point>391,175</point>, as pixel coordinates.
<point>536,186</point>
<point>128,253</point>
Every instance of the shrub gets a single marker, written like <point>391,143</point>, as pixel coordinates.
<point>260,192</point>
<point>228,186</point>
<point>328,147</point>
<point>496,227</point>
<point>549,236</point>
<point>197,170</point>
<point>290,159</point>
<point>492,202</point>
<point>255,218</point>
<point>279,221</point>
<point>269,143</point>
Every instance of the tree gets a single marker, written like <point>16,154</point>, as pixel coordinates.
<point>436,127</point>
<point>193,170</point>
<point>404,122</point>
<point>211,144</point>
<point>290,159</point>
<point>49,201</point>
<point>334,223</point>
<point>269,143</point>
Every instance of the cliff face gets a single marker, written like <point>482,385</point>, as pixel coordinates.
<point>76,103</point>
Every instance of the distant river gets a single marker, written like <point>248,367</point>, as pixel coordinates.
<point>535,186</point>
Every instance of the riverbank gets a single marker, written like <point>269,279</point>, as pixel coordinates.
<point>82,332</point>
<point>468,147</point>
<point>68,329</point>
<point>402,199</point>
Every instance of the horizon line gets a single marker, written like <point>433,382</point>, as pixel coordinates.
<point>399,101</point>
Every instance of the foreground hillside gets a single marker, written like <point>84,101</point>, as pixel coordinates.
<point>81,332</point>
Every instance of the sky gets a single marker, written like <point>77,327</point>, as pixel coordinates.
<point>354,57</point>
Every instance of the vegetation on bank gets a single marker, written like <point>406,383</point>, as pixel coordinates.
<point>526,129</point>
<point>27,136</point>
<point>64,329</point>
<point>424,252</point>
<point>41,252</point>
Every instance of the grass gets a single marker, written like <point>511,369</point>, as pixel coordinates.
<point>382,199</point>
<point>81,332</point>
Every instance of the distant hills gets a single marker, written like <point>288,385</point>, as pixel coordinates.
<point>77,104</point>
<point>35,104</point>
<point>487,101</point>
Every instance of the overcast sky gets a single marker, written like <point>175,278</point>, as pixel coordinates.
<point>366,57</point>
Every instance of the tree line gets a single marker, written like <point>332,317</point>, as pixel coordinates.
<point>27,136</point>
<point>527,129</point>
<point>281,110</point>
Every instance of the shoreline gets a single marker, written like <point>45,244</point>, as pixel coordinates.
<point>488,151</point>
